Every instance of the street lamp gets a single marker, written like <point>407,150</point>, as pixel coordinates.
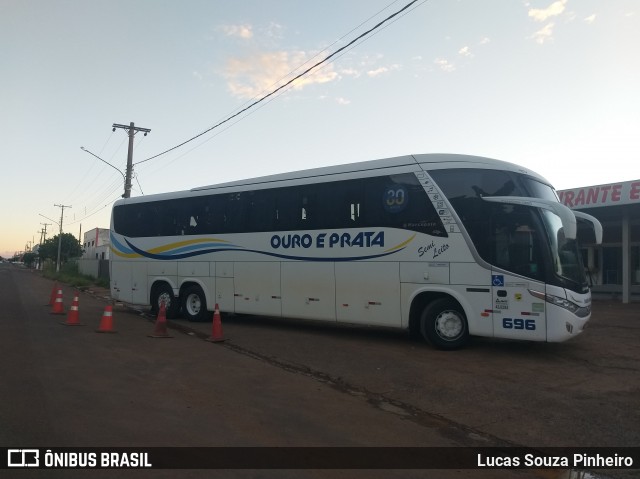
<point>104,161</point>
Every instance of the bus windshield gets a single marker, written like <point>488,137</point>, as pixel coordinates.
<point>537,189</point>
<point>565,255</point>
<point>524,240</point>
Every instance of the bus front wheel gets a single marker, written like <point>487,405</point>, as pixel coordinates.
<point>194,304</point>
<point>444,324</point>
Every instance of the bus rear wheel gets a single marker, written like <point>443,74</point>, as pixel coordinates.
<point>194,304</point>
<point>444,324</point>
<point>164,292</point>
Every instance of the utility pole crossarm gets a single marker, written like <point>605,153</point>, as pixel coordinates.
<point>131,130</point>
<point>131,126</point>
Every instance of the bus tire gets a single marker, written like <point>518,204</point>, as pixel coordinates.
<point>194,303</point>
<point>444,324</point>
<point>164,292</point>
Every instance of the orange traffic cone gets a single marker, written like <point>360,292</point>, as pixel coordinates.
<point>161,324</point>
<point>106,323</point>
<point>73,318</point>
<point>58,305</point>
<point>52,297</point>
<point>216,329</point>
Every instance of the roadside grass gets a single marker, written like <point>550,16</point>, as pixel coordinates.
<point>69,274</point>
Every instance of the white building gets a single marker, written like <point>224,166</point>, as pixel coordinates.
<point>96,244</point>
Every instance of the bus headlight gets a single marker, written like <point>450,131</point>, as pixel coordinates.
<point>579,311</point>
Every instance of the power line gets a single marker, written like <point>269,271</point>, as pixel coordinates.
<point>264,90</point>
<point>285,76</point>
<point>78,193</point>
<point>213,136</point>
<point>288,83</point>
<point>406,12</point>
<point>290,73</point>
<point>108,204</point>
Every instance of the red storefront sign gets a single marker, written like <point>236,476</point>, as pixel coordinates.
<point>603,195</point>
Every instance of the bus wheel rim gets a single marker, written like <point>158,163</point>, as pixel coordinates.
<point>193,304</point>
<point>449,325</point>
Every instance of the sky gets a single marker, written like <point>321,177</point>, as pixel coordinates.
<point>550,85</point>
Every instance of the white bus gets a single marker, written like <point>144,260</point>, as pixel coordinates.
<point>446,246</point>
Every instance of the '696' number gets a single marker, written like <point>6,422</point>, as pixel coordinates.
<point>518,323</point>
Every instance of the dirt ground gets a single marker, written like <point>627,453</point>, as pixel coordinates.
<point>302,383</point>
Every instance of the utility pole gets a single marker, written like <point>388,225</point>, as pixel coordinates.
<point>62,207</point>
<point>43,235</point>
<point>131,130</point>
<point>43,238</point>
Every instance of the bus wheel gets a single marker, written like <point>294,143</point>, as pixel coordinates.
<point>444,324</point>
<point>194,304</point>
<point>164,292</point>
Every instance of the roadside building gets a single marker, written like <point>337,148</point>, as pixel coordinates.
<point>96,244</point>
<point>614,266</point>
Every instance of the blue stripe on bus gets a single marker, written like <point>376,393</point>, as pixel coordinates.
<point>173,256</point>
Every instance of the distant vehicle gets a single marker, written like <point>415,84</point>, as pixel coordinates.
<point>446,246</point>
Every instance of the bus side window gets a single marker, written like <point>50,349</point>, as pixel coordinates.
<point>308,209</point>
<point>304,216</point>
<point>355,212</point>
<point>196,211</point>
<point>286,209</point>
<point>215,214</point>
<point>259,211</point>
<point>353,204</point>
<point>232,216</point>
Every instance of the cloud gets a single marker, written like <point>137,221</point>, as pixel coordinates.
<point>382,70</point>
<point>464,51</point>
<point>342,101</point>
<point>444,65</point>
<point>545,34</point>
<point>350,72</point>
<point>553,10</point>
<point>377,71</point>
<point>590,19</point>
<point>259,74</point>
<point>275,30</point>
<point>241,31</point>
<point>485,40</point>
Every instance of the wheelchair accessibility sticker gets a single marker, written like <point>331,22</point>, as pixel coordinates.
<point>497,280</point>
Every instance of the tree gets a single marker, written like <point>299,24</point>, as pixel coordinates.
<point>29,259</point>
<point>69,248</point>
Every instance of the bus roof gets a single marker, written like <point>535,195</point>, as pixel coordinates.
<point>427,161</point>
<point>430,161</point>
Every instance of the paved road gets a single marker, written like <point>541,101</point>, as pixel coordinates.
<point>282,383</point>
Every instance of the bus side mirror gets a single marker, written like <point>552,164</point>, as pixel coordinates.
<point>566,215</point>
<point>597,226</point>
